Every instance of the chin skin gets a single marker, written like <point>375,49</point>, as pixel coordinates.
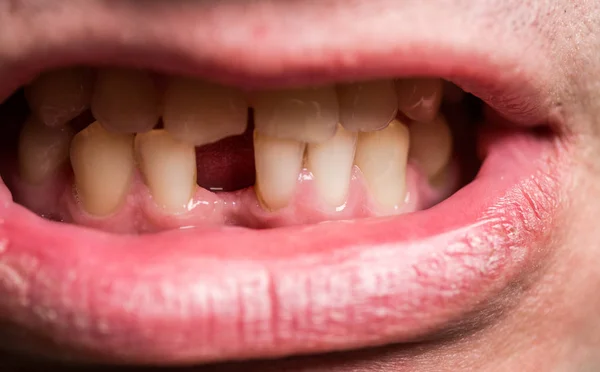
<point>548,320</point>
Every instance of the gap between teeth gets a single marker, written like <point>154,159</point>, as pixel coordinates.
<point>326,129</point>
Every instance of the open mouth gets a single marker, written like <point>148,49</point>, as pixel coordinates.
<point>154,212</point>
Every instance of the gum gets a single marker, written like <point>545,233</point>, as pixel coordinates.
<point>57,199</point>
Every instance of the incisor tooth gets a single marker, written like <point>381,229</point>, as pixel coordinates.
<point>103,167</point>
<point>381,156</point>
<point>126,101</point>
<point>306,115</point>
<point>367,106</point>
<point>200,113</point>
<point>278,163</point>
<point>42,150</point>
<point>169,168</point>
<point>331,165</point>
<point>431,145</point>
<point>419,99</point>
<point>59,96</point>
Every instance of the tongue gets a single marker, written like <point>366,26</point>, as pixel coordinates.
<point>227,165</point>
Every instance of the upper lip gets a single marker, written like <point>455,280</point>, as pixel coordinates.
<point>308,289</point>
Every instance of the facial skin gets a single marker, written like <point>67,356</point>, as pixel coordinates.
<point>550,317</point>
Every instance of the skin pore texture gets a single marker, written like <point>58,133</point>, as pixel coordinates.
<point>548,318</point>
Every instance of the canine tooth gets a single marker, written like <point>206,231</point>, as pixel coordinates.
<point>126,101</point>
<point>42,149</point>
<point>103,166</point>
<point>419,98</point>
<point>169,168</point>
<point>381,156</point>
<point>278,163</point>
<point>331,165</point>
<point>431,145</point>
<point>305,115</point>
<point>59,96</point>
<point>367,106</point>
<point>200,113</point>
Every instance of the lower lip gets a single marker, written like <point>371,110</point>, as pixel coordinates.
<point>189,296</point>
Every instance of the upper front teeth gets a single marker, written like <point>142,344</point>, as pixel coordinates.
<point>201,113</point>
<point>57,97</point>
<point>307,115</point>
<point>126,101</point>
<point>367,106</point>
<point>328,129</point>
<point>419,99</point>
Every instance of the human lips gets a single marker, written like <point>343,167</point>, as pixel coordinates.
<point>249,294</point>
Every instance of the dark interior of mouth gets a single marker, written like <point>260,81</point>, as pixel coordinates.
<point>226,174</point>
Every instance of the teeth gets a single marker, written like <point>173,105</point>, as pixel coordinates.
<point>452,93</point>
<point>103,166</point>
<point>367,106</point>
<point>331,165</point>
<point>278,163</point>
<point>201,113</point>
<point>59,96</point>
<point>419,99</point>
<point>126,101</point>
<point>169,168</point>
<point>381,156</point>
<point>42,150</point>
<point>306,115</point>
<point>431,145</point>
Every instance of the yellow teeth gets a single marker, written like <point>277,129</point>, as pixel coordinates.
<point>201,113</point>
<point>103,166</point>
<point>331,165</point>
<point>367,106</point>
<point>278,163</point>
<point>57,97</point>
<point>431,145</point>
<point>419,99</point>
<point>305,115</point>
<point>42,150</point>
<point>169,168</point>
<point>382,158</point>
<point>126,101</point>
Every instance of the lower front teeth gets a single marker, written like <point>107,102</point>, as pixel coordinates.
<point>169,168</point>
<point>331,165</point>
<point>103,167</point>
<point>382,156</point>
<point>278,163</point>
<point>126,101</point>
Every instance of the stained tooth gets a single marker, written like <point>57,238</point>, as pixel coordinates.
<point>306,115</point>
<point>431,145</point>
<point>169,168</point>
<point>278,164</point>
<point>200,113</point>
<point>103,166</point>
<point>126,101</point>
<point>381,156</point>
<point>58,96</point>
<point>42,150</point>
<point>419,99</point>
<point>331,165</point>
<point>367,106</point>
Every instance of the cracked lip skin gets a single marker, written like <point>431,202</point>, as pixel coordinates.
<point>297,290</point>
